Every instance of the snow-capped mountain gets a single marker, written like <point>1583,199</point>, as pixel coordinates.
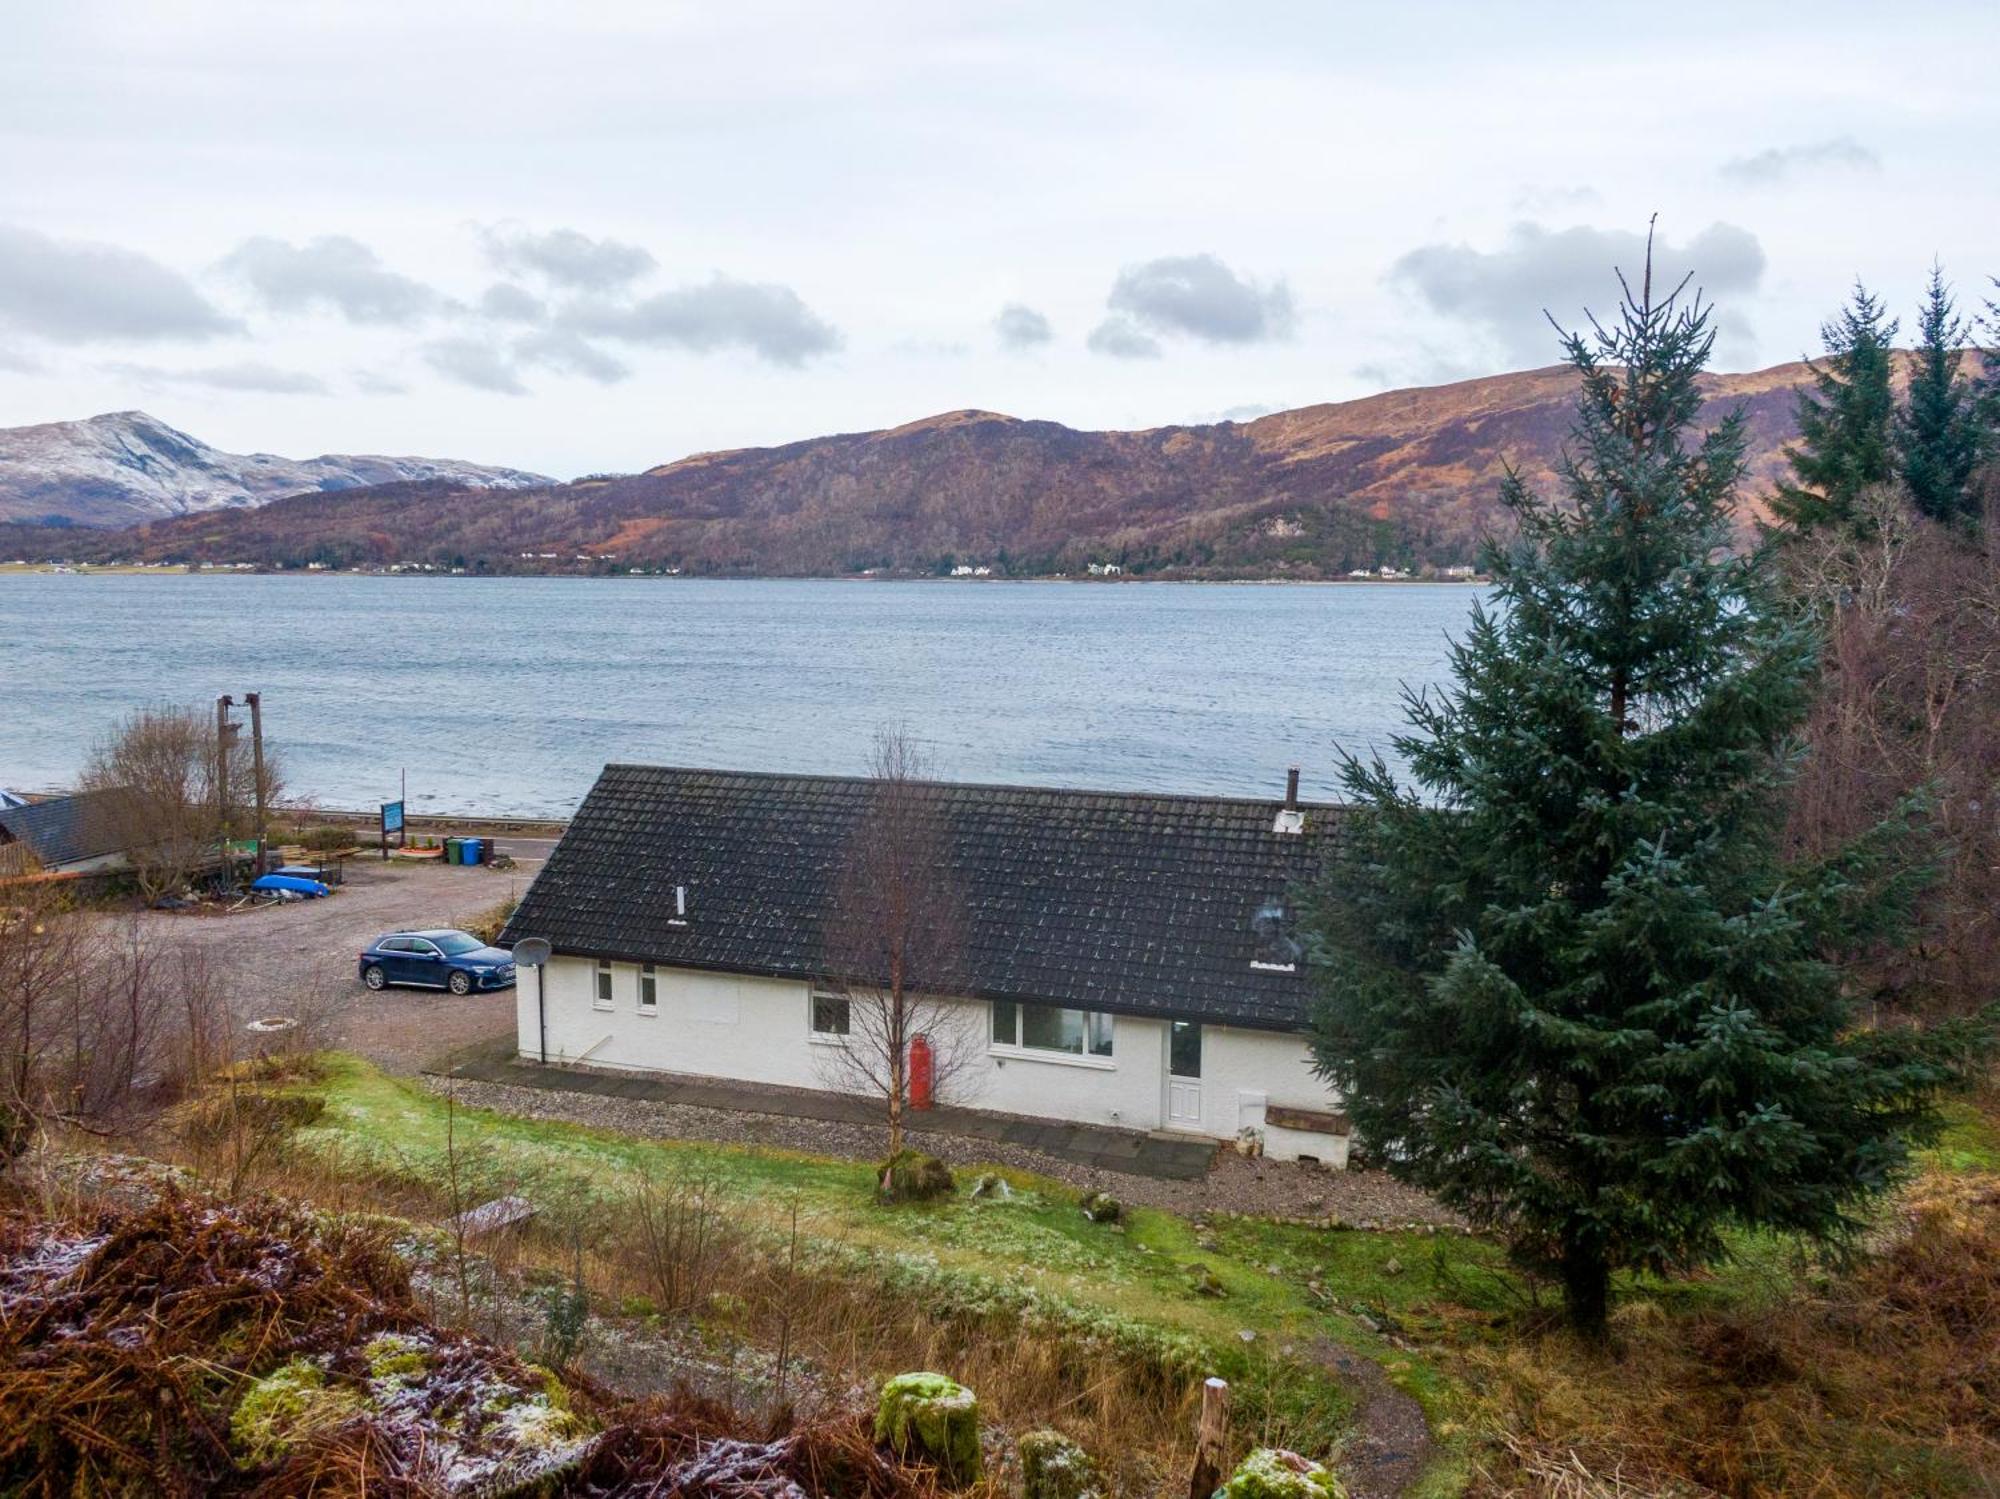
<point>126,467</point>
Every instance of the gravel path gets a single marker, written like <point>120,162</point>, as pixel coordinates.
<point>1283,1189</point>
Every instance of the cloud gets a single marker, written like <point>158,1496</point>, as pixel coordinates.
<point>1022,327</point>
<point>333,272</point>
<point>1782,163</point>
<point>1200,297</point>
<point>566,258</point>
<point>1505,292</point>
<point>569,353</point>
<point>1121,338</point>
<point>76,292</point>
<point>506,303</point>
<point>1556,199</point>
<point>250,376</point>
<point>374,383</point>
<point>13,362</point>
<point>468,361</point>
<point>768,319</point>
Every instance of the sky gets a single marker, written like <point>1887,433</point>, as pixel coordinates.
<point>594,237</point>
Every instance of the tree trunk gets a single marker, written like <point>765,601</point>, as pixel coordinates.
<point>1587,1293</point>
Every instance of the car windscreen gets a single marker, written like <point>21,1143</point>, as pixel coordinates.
<point>455,943</point>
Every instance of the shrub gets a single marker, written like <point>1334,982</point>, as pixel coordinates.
<point>912,1176</point>
<point>1102,1207</point>
<point>1054,1467</point>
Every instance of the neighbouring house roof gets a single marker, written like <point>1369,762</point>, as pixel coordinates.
<point>1136,903</point>
<point>64,830</point>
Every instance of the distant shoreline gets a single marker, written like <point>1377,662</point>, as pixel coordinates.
<point>180,570</point>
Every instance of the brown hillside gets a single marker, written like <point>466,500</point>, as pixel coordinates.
<point>1409,476</point>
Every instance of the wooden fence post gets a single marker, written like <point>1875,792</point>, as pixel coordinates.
<point>1211,1439</point>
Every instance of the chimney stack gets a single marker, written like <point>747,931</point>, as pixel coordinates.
<point>1291,817</point>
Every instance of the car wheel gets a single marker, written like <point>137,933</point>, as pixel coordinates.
<point>460,982</point>
<point>374,977</point>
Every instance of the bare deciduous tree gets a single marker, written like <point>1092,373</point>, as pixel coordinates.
<point>97,1023</point>
<point>1910,700</point>
<point>175,792</point>
<point>892,942</point>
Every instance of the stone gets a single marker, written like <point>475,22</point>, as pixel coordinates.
<point>912,1176</point>
<point>1392,1266</point>
<point>931,1416</point>
<point>291,1404</point>
<point>1275,1473</point>
<point>1102,1207</point>
<point>1205,1282</point>
<point>1054,1467</point>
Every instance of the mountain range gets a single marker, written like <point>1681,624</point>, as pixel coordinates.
<point>125,468</point>
<point>1409,477</point>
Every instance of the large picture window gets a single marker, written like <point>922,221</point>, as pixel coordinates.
<point>1077,1033</point>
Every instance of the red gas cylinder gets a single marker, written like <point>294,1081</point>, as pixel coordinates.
<point>922,1070</point>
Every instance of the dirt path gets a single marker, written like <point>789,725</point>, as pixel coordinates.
<point>1394,1444</point>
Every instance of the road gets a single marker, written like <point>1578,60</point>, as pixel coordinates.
<point>299,959</point>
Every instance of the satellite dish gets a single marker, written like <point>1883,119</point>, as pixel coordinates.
<point>531,951</point>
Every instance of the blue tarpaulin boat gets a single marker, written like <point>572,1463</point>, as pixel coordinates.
<point>280,884</point>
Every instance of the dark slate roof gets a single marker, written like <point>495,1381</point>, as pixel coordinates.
<point>1118,901</point>
<point>65,829</point>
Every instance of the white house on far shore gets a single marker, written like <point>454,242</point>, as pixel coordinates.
<point>1124,957</point>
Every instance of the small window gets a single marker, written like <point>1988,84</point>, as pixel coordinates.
<point>649,989</point>
<point>831,1014</point>
<point>1184,1049</point>
<point>603,984</point>
<point>1006,1023</point>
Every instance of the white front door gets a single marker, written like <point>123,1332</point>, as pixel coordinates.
<point>1183,1075</point>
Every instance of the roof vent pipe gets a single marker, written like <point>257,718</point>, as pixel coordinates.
<point>1292,789</point>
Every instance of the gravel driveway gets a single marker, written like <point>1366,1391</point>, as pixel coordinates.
<point>298,959</point>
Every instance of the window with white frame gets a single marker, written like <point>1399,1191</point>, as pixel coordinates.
<point>603,1001</point>
<point>649,989</point>
<point>1028,1027</point>
<point>832,1016</point>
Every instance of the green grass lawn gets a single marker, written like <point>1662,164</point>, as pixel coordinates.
<point>1291,1286</point>
<point>1407,1301</point>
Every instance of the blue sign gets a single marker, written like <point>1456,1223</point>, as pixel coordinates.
<point>392,817</point>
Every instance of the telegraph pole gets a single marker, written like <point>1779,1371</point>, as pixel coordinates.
<point>256,702</point>
<point>222,733</point>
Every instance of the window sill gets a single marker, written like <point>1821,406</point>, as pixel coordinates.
<point>604,1005</point>
<point>651,1012</point>
<point>1054,1058</point>
<point>819,1040</point>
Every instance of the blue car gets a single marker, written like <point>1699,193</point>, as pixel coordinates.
<point>437,959</point>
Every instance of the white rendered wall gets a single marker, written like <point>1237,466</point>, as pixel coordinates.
<point>758,1030</point>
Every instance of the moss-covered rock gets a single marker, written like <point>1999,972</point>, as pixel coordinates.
<point>1054,1467</point>
<point>912,1176</point>
<point>931,1416</point>
<point>1102,1207</point>
<point>1205,1282</point>
<point>290,1405</point>
<point>396,1356</point>
<point>1274,1473</point>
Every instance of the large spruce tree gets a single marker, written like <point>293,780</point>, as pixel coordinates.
<point>1846,418</point>
<point>1938,433</point>
<point>1568,986</point>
